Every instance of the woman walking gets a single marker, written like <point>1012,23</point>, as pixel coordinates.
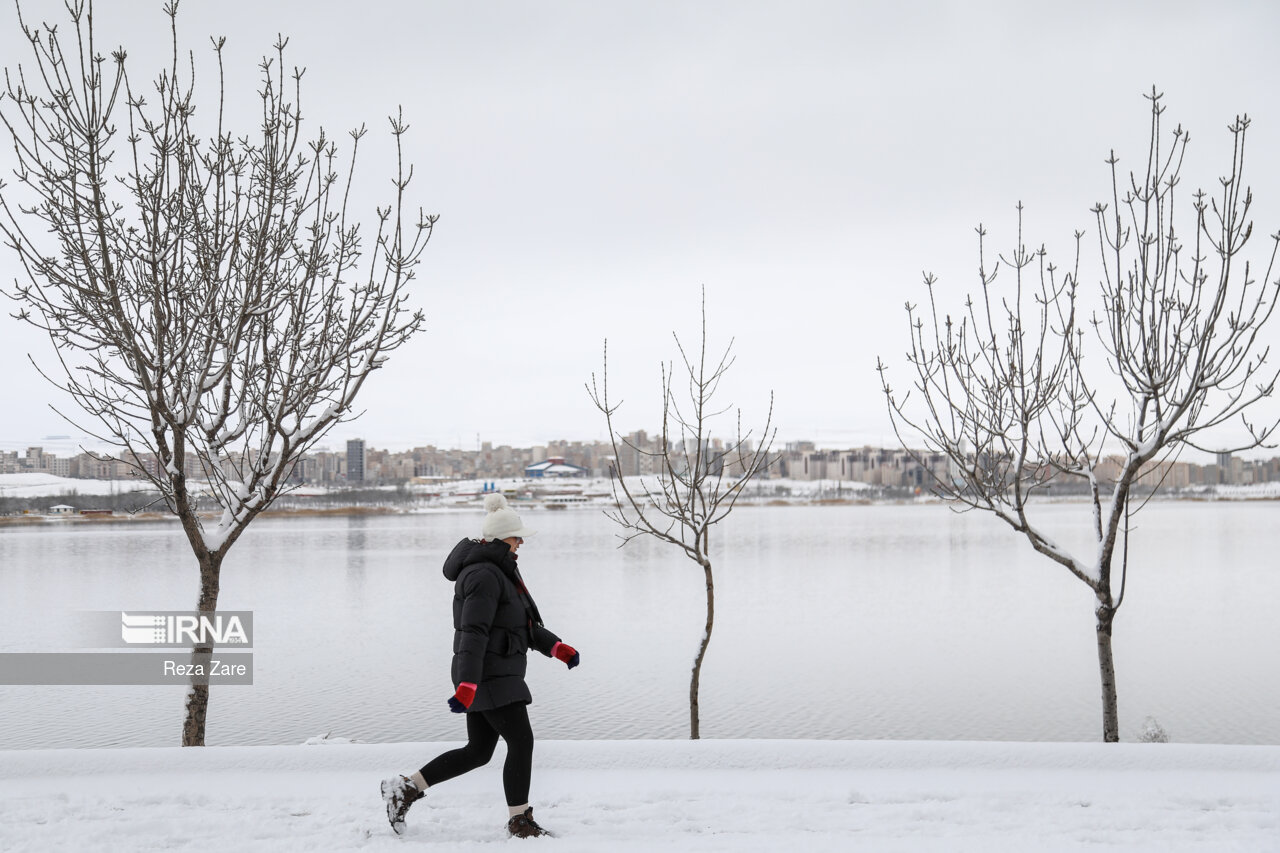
<point>495,623</point>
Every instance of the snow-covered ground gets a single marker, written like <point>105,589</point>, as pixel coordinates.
<point>38,485</point>
<point>447,494</point>
<point>1253,491</point>
<point>604,796</point>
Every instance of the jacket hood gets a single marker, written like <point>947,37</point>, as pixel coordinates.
<point>470,551</point>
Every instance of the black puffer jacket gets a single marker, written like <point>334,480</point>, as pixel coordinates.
<point>495,622</point>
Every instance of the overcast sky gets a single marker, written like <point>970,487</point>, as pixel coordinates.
<point>595,163</point>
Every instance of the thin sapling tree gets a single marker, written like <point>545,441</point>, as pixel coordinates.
<point>1019,392</point>
<point>696,484</point>
<point>213,306</point>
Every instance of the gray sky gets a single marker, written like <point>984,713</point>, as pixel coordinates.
<point>594,164</point>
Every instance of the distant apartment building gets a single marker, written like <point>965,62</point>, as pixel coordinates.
<point>36,460</point>
<point>396,468</point>
<point>306,470</point>
<point>355,460</point>
<point>637,455</point>
<point>331,467</point>
<point>375,464</point>
<point>877,466</point>
<point>1232,468</point>
<point>1167,474</point>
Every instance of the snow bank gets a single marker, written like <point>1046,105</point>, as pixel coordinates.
<point>43,485</point>
<point>658,795</point>
<point>1255,491</point>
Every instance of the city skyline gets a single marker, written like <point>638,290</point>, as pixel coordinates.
<point>358,463</point>
<point>65,445</point>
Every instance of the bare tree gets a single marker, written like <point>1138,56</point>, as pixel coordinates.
<point>1005,391</point>
<point>695,484</point>
<point>213,308</point>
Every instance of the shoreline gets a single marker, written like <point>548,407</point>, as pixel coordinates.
<point>357,510</point>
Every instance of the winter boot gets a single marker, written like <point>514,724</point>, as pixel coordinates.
<point>399,793</point>
<point>524,826</point>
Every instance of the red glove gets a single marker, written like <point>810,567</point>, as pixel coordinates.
<point>462,699</point>
<point>567,653</point>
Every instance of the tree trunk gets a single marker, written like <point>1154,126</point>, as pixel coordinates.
<point>1107,670</point>
<point>694,682</point>
<point>198,695</point>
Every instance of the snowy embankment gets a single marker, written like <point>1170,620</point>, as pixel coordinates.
<point>658,795</point>
<point>445,495</point>
<point>1254,491</point>
<point>37,485</point>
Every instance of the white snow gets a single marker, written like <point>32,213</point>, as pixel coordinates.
<point>30,485</point>
<point>214,539</point>
<point>1255,491</point>
<point>672,796</point>
<point>36,485</point>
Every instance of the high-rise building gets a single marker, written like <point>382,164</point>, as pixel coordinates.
<point>355,460</point>
<point>1229,469</point>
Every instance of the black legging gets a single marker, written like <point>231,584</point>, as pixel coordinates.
<point>483,729</point>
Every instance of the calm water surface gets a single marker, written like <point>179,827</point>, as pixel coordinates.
<point>906,622</point>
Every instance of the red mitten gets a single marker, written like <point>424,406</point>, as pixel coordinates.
<point>462,699</point>
<point>567,653</point>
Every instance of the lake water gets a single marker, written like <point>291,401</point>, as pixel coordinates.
<point>904,622</point>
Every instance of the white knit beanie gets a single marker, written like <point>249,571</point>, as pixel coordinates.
<point>501,521</point>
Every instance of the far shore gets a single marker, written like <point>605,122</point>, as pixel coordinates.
<point>351,510</point>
